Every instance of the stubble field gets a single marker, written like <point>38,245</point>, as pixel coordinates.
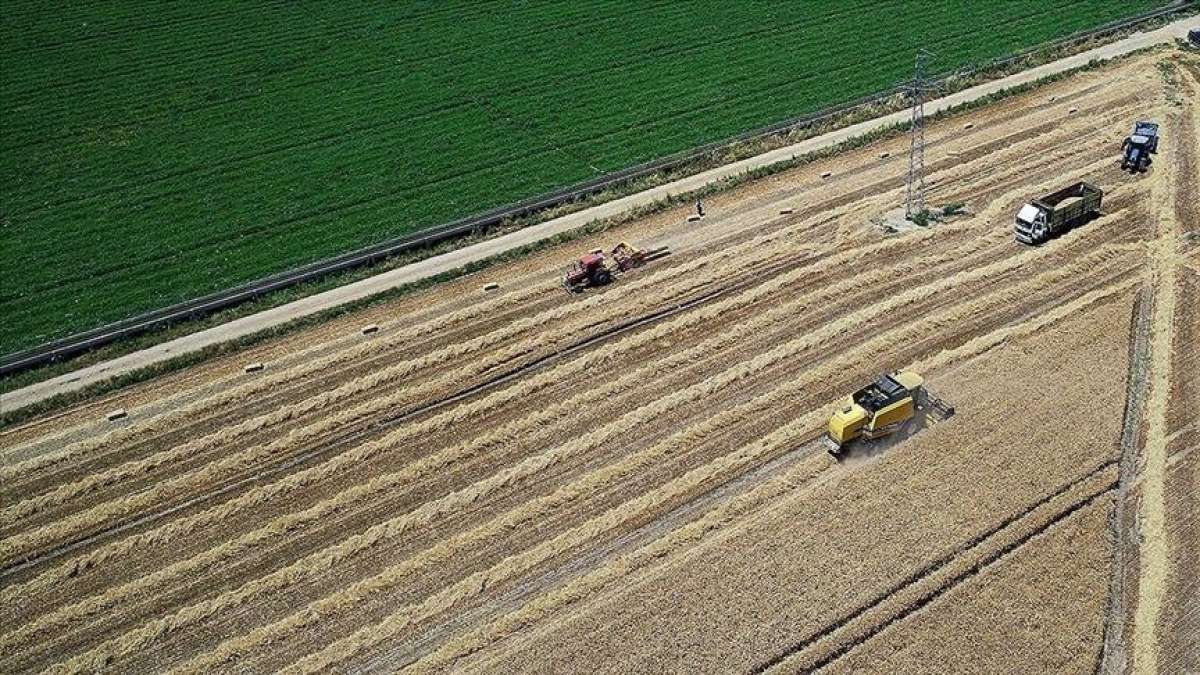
<point>629,479</point>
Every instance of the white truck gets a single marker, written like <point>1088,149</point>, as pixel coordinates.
<point>1057,212</point>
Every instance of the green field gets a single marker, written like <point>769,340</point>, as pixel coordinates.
<point>154,152</point>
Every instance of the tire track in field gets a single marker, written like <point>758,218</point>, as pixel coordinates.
<point>392,575</point>
<point>1113,656</point>
<point>938,577</point>
<point>678,324</point>
<point>660,551</point>
<point>474,448</point>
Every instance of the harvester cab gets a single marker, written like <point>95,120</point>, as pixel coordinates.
<point>1139,145</point>
<point>590,270</point>
<point>882,408</point>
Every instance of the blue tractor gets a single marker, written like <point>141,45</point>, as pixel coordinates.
<point>1139,145</point>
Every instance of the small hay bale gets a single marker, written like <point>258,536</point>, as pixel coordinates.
<point>114,415</point>
<point>491,286</point>
<point>254,367</point>
<point>1072,111</point>
<point>693,218</point>
<point>969,125</point>
<point>884,155</point>
<point>827,174</point>
<point>369,328</point>
<point>786,210</point>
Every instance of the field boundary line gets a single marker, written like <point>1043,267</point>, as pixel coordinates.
<point>492,247</point>
<point>1113,650</point>
<point>1154,547</point>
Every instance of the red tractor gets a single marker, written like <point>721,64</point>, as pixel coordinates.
<point>590,270</point>
<point>594,269</point>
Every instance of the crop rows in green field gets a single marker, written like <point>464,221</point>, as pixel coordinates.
<point>156,152</point>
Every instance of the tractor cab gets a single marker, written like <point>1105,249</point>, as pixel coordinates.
<point>1148,132</point>
<point>590,270</point>
<point>1139,145</point>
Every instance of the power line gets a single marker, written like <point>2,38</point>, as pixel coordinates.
<point>914,201</point>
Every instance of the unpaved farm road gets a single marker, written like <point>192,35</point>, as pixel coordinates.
<point>626,480</point>
<point>456,259</point>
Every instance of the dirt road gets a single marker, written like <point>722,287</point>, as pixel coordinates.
<point>456,259</point>
<point>629,478</point>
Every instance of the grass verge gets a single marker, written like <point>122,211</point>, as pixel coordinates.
<point>721,157</point>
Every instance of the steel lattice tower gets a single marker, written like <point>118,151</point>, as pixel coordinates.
<point>914,202</point>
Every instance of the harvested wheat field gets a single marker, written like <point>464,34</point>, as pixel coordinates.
<point>631,479</point>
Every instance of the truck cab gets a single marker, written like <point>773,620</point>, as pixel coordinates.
<point>1032,225</point>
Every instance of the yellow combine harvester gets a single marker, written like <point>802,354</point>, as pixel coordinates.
<point>881,408</point>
